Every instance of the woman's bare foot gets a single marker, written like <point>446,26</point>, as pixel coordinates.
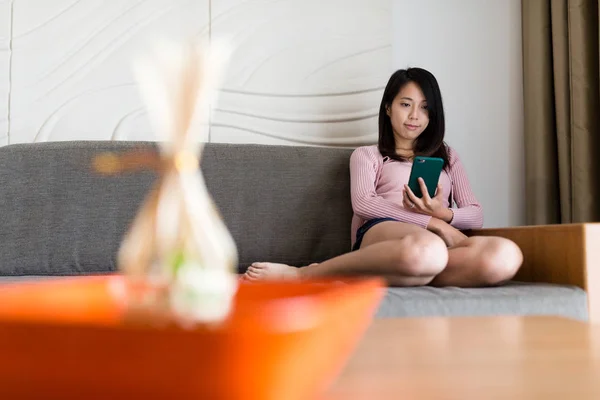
<point>271,271</point>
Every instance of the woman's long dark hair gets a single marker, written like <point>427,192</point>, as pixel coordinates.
<point>430,142</point>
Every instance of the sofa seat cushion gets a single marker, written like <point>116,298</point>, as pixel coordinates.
<point>514,298</point>
<point>28,278</point>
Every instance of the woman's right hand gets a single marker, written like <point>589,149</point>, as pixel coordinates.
<point>449,234</point>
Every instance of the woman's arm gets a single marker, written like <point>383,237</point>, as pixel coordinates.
<point>366,203</point>
<point>468,213</point>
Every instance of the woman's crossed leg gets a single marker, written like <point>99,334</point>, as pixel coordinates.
<point>403,253</point>
<point>408,255</point>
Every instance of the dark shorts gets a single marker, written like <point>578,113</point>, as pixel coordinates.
<point>360,233</point>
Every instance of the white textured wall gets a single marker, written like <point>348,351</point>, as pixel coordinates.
<point>473,47</point>
<point>71,64</point>
<point>5,24</point>
<point>303,71</point>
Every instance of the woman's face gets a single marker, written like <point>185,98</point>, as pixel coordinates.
<point>408,114</point>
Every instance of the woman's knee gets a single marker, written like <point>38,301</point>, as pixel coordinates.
<point>420,254</point>
<point>500,259</point>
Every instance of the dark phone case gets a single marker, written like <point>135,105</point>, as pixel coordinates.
<point>428,168</point>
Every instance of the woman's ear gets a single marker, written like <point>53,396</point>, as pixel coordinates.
<point>387,110</point>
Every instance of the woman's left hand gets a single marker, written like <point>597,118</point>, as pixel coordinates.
<point>427,205</point>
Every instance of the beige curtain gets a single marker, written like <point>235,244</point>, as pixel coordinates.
<point>562,110</point>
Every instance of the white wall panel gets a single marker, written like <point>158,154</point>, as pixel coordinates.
<point>303,71</point>
<point>71,67</point>
<point>5,26</point>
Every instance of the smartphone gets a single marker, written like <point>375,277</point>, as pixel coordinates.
<point>428,168</point>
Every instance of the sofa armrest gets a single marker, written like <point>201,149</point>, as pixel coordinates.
<point>567,254</point>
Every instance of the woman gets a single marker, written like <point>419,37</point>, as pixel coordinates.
<point>411,241</point>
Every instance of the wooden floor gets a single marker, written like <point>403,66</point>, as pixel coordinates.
<point>474,358</point>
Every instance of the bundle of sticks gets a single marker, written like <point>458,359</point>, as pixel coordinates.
<point>178,251</point>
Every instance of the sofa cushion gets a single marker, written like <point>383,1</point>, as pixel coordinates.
<point>57,217</point>
<point>515,298</point>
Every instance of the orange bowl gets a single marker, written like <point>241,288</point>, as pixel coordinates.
<point>283,340</point>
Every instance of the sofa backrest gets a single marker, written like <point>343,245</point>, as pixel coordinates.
<point>58,217</point>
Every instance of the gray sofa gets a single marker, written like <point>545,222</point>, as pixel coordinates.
<point>282,204</point>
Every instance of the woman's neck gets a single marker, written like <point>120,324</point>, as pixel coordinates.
<point>405,148</point>
<point>408,154</point>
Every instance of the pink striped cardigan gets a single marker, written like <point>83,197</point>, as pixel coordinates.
<point>376,187</point>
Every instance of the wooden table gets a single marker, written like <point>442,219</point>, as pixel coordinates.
<point>474,358</point>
